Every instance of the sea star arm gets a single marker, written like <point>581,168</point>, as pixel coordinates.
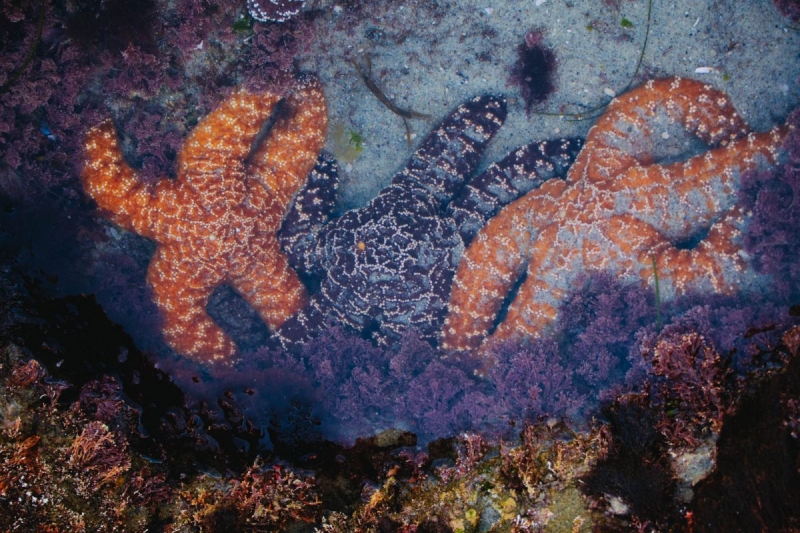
<point>452,151</point>
<point>487,270</point>
<point>306,218</point>
<point>284,160</point>
<point>552,267</point>
<point>268,284</point>
<point>684,198</point>
<point>634,250</point>
<point>521,171</point>
<point>633,126</point>
<point>637,251</point>
<point>115,186</point>
<point>215,147</point>
<point>716,264</point>
<point>298,328</point>
<point>493,263</point>
<point>181,287</point>
<point>321,311</point>
<point>221,141</point>
<point>563,250</point>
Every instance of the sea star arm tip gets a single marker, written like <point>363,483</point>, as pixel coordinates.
<point>222,139</point>
<point>284,160</point>
<point>115,186</point>
<point>181,288</point>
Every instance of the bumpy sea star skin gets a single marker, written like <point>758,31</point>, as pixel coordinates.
<point>388,266</point>
<point>504,181</point>
<point>619,210</point>
<point>216,223</point>
<point>274,10</point>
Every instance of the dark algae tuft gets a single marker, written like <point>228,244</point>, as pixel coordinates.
<point>534,70</point>
<point>113,25</point>
<point>637,470</point>
<point>756,485</point>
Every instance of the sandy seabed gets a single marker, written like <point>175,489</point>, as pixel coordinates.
<point>430,56</point>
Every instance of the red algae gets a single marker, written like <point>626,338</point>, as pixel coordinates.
<point>534,70</point>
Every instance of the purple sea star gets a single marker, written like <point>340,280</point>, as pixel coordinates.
<point>388,266</point>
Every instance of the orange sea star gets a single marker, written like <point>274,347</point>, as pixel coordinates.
<point>626,207</point>
<point>216,222</point>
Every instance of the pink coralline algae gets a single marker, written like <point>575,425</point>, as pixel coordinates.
<point>274,10</point>
<point>772,238</point>
<point>99,456</point>
<point>693,386</point>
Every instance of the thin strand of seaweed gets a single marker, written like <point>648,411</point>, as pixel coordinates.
<point>405,114</point>
<point>596,111</point>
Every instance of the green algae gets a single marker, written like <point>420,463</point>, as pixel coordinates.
<point>345,143</point>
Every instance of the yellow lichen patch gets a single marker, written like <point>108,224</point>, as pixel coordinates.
<point>570,513</point>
